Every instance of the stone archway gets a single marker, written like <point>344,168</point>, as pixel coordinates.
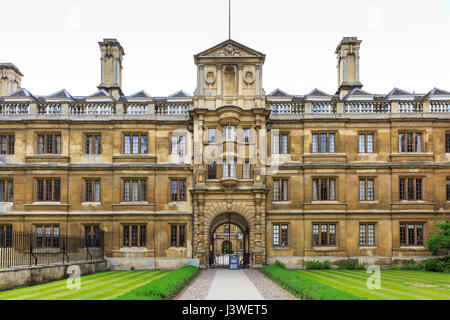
<point>221,259</point>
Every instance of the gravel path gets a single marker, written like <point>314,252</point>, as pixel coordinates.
<point>200,287</point>
<point>268,289</point>
<point>198,290</point>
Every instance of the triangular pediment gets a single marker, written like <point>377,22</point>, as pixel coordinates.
<point>318,93</point>
<point>179,94</point>
<point>398,92</point>
<point>140,94</point>
<point>60,95</point>
<point>229,48</point>
<point>279,93</point>
<point>437,91</point>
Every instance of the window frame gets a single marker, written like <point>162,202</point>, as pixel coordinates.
<point>92,236</point>
<point>6,235</point>
<point>178,145</point>
<point>320,231</point>
<point>10,146</point>
<point>212,168</point>
<point>132,134</point>
<point>42,240</point>
<point>366,143</point>
<point>141,240</point>
<point>178,237</point>
<point>406,243</point>
<point>55,146</point>
<point>280,136</point>
<point>6,182</point>
<point>45,187</point>
<point>414,141</point>
<point>180,197</point>
<point>283,237</point>
<point>405,196</point>
<point>319,144</point>
<point>447,142</point>
<point>139,191</point>
<point>367,239</point>
<point>283,182</point>
<point>319,188</point>
<point>92,148</point>
<point>366,189</point>
<point>92,197</point>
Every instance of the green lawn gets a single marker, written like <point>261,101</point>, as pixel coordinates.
<point>395,284</point>
<point>98,286</point>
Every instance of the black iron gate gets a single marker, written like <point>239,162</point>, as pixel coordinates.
<point>221,258</point>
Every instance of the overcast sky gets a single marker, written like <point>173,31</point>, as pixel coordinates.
<point>406,43</point>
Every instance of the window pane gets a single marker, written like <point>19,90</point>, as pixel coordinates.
<point>370,143</point>
<point>143,144</point>
<point>142,236</point>
<point>370,190</point>
<point>56,192</point>
<point>403,234</point>
<point>88,190</point>
<point>135,186</point>
<point>362,190</point>
<point>126,190</point>
<point>315,143</point>
<point>411,189</point>
<point>362,235</point>
<point>182,195</point>
<point>9,191</point>
<point>362,146</point>
<point>284,143</point>
<point>402,185</point>
<point>315,190</point>
<point>324,235</point>
<point>212,135</point>
<point>41,144</point>
<point>401,142</point>
<point>127,144</point>
<point>98,143</point>
<point>88,144</point>
<point>323,189</point>
<point>2,190</point>
<point>418,142</point>
<point>174,145</point>
<point>411,235</point>
<point>48,190</point>
<point>174,190</point>
<point>285,190</point>
<point>371,234</point>
<point>134,236</point>
<point>332,190</point>
<point>331,142</point>
<point>126,236</point>
<point>173,236</point>
<point>97,191</point>
<point>418,189</point>
<point>315,234</point>
<point>409,142</point>
<point>448,189</point>
<point>3,144</point>
<point>419,229</point>
<point>143,190</point>
<point>182,236</point>
<point>332,235</point>
<point>135,144</point>
<point>284,235</point>
<point>182,145</point>
<point>276,235</point>
<point>323,142</point>
<point>276,190</point>
<point>276,144</point>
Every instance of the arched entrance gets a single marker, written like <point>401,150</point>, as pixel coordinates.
<point>229,235</point>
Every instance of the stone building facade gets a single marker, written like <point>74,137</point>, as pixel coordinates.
<point>304,177</point>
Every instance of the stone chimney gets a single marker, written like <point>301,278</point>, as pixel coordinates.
<point>348,65</point>
<point>10,78</point>
<point>111,67</point>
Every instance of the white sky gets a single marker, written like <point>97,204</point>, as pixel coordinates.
<point>54,43</point>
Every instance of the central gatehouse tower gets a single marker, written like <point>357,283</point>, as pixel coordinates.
<point>229,124</point>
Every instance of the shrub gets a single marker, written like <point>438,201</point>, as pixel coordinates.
<point>361,266</point>
<point>280,264</point>
<point>326,264</point>
<point>317,265</point>
<point>439,242</point>
<point>351,264</point>
<point>305,288</point>
<point>166,287</point>
<point>342,265</point>
<point>438,264</point>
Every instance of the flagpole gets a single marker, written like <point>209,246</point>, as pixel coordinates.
<point>229,19</point>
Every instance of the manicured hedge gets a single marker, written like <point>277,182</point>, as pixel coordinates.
<point>434,265</point>
<point>304,288</point>
<point>165,288</point>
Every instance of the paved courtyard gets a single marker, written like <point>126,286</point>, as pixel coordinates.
<point>222,284</point>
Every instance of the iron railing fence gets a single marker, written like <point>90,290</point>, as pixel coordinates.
<point>18,248</point>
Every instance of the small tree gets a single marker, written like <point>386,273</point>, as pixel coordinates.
<point>439,242</point>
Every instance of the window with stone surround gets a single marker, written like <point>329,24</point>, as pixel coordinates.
<point>324,142</point>
<point>177,235</point>
<point>47,236</point>
<point>134,235</point>
<point>280,235</point>
<point>178,190</point>
<point>280,143</point>
<point>411,189</point>
<point>280,189</point>
<point>410,141</point>
<point>324,189</point>
<point>367,235</point>
<point>134,189</point>
<point>366,143</point>
<point>92,235</point>
<point>411,234</point>
<point>48,189</point>
<point>92,190</point>
<point>6,235</point>
<point>366,189</point>
<point>93,143</point>
<point>7,143</point>
<point>324,234</point>
<point>135,143</point>
<point>6,190</point>
<point>49,143</point>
